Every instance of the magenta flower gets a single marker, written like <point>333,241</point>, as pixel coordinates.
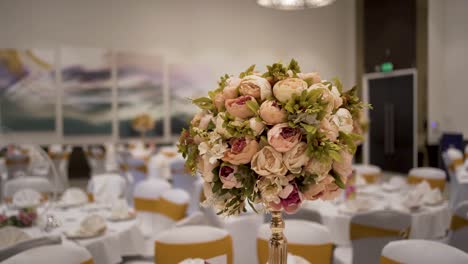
<point>290,199</point>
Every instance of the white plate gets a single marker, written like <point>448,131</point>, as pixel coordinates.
<point>77,234</point>
<point>130,216</point>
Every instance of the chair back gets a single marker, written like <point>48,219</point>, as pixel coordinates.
<point>371,231</point>
<point>38,184</point>
<point>60,159</point>
<point>370,173</point>
<point>184,180</point>
<point>96,159</point>
<point>455,158</point>
<point>53,254</point>
<point>17,163</point>
<point>415,251</point>
<point>146,197</point>
<point>434,176</point>
<point>209,243</point>
<point>107,187</point>
<point>306,239</point>
<point>458,236</point>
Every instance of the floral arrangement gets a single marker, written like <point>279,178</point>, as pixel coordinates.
<point>25,218</point>
<point>143,123</point>
<point>275,138</point>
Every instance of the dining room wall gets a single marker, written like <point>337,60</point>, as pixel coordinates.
<point>223,35</point>
<point>448,62</point>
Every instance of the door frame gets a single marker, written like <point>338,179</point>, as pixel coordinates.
<point>365,97</point>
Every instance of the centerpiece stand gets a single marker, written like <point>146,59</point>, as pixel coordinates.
<point>278,248</point>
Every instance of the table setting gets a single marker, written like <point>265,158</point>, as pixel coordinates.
<point>428,209</point>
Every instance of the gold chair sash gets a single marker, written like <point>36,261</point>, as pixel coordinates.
<point>146,205</point>
<point>174,253</point>
<point>456,163</point>
<point>434,183</point>
<point>313,253</point>
<point>142,168</point>
<point>458,222</point>
<point>13,162</point>
<point>466,155</point>
<point>59,156</point>
<point>371,177</point>
<point>90,197</point>
<point>358,231</point>
<point>171,209</point>
<point>89,261</point>
<point>98,156</point>
<point>385,260</point>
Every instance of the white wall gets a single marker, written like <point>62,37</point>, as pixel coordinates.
<point>230,34</point>
<point>448,66</point>
<point>225,35</point>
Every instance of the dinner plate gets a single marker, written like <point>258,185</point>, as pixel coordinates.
<point>77,234</point>
<point>130,216</point>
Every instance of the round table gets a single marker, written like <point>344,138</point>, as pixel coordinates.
<point>120,238</point>
<point>429,222</point>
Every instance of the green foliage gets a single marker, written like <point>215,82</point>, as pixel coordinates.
<point>189,150</point>
<point>337,178</point>
<point>237,128</point>
<point>204,103</point>
<point>305,180</point>
<point>319,147</point>
<point>308,108</point>
<point>352,102</point>
<point>253,106</point>
<point>247,72</point>
<point>294,67</point>
<point>278,72</point>
<point>349,140</point>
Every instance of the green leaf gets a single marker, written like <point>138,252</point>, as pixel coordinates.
<point>204,103</point>
<point>253,106</point>
<point>294,67</point>
<point>338,84</point>
<point>310,129</point>
<point>247,72</point>
<point>338,181</point>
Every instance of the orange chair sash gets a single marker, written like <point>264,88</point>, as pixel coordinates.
<point>146,205</point>
<point>13,162</point>
<point>385,260</point>
<point>89,261</point>
<point>313,253</point>
<point>434,183</point>
<point>371,177</point>
<point>142,168</point>
<point>456,163</point>
<point>358,231</point>
<point>174,253</point>
<point>171,209</point>
<point>458,222</point>
<point>59,156</point>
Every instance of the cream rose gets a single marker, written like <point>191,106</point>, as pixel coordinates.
<point>241,150</point>
<point>207,190</point>
<point>207,168</point>
<point>330,129</point>
<point>231,90</point>
<point>220,129</point>
<point>332,191</point>
<point>344,166</point>
<point>228,178</point>
<point>314,191</point>
<point>343,120</point>
<point>272,113</point>
<point>201,120</point>
<point>338,101</point>
<point>268,162</point>
<point>218,101</point>
<point>318,167</point>
<point>283,138</point>
<point>256,126</point>
<point>238,106</point>
<point>255,86</point>
<point>284,89</point>
<point>328,96</point>
<point>295,158</point>
<point>311,77</point>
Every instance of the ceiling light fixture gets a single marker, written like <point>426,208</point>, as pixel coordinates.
<point>294,4</point>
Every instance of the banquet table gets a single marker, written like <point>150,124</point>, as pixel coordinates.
<point>120,239</point>
<point>429,222</point>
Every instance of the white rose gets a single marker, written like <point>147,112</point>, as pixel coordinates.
<point>318,167</point>
<point>284,89</point>
<point>268,162</point>
<point>312,77</point>
<point>256,126</point>
<point>207,168</point>
<point>296,158</point>
<point>338,101</point>
<point>344,120</point>
<point>205,121</point>
<point>219,126</point>
<point>333,98</point>
<point>330,129</point>
<point>255,86</point>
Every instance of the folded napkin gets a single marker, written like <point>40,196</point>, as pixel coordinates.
<point>119,209</point>
<point>26,198</point>
<point>433,197</point>
<point>92,225</point>
<point>74,196</point>
<point>10,235</point>
<point>28,244</point>
<point>415,197</point>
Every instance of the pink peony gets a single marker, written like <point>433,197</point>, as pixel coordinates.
<point>284,89</point>
<point>238,106</point>
<point>332,191</point>
<point>255,86</point>
<point>241,151</point>
<point>330,129</point>
<point>231,91</point>
<point>272,113</point>
<point>344,167</point>
<point>311,77</point>
<point>283,138</point>
<point>228,178</point>
<point>218,101</point>
<point>314,191</point>
<point>290,199</point>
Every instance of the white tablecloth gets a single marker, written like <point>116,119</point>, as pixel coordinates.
<point>430,222</point>
<point>120,239</point>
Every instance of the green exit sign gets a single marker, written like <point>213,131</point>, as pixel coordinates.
<point>386,67</point>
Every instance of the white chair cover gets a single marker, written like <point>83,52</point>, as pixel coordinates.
<point>183,180</point>
<point>39,184</point>
<point>74,196</point>
<point>59,157</point>
<point>53,254</point>
<point>434,176</point>
<point>150,189</point>
<point>96,159</point>
<point>458,236</point>
<point>107,188</point>
<point>307,214</point>
<point>422,251</point>
<point>459,188</point>
<point>211,244</point>
<point>302,235</point>
<point>16,162</point>
<point>455,158</point>
<point>370,231</point>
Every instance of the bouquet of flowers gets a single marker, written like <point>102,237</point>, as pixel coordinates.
<point>25,218</point>
<point>276,138</point>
